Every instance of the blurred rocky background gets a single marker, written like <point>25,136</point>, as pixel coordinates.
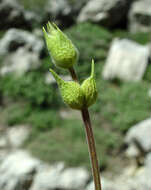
<point>42,141</point>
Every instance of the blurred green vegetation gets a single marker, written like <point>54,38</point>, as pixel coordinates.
<point>39,4</point>
<point>2,32</point>
<point>67,142</point>
<point>40,119</point>
<point>123,105</point>
<point>30,87</point>
<point>140,37</point>
<point>36,5</point>
<point>119,105</point>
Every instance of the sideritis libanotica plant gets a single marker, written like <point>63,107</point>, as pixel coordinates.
<point>64,55</point>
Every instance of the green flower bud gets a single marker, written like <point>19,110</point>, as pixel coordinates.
<point>71,92</point>
<point>64,54</point>
<point>89,88</point>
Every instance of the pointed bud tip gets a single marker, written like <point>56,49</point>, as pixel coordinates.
<point>54,25</point>
<point>58,79</point>
<point>92,68</point>
<point>43,29</point>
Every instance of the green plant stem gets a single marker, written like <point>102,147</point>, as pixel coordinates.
<point>92,149</point>
<point>90,140</point>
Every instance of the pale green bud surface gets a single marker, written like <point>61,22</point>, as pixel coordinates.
<point>63,53</point>
<point>71,92</point>
<point>89,88</point>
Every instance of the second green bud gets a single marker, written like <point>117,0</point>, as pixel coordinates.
<point>75,95</point>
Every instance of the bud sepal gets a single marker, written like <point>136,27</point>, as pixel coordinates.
<point>71,92</point>
<point>89,88</point>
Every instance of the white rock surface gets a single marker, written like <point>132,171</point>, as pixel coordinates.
<point>47,177</point>
<point>108,185</point>
<point>148,161</point>
<point>3,154</point>
<point>73,178</point>
<point>133,151</point>
<point>137,180</point>
<point>14,137</point>
<point>64,9</point>
<point>142,178</point>
<point>15,38</point>
<point>106,12</point>
<point>20,62</point>
<point>57,7</point>
<point>17,135</point>
<point>140,16</point>
<point>140,134</point>
<point>17,170</point>
<point>126,60</point>
<point>56,177</point>
<point>3,142</point>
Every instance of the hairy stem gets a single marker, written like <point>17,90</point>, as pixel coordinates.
<point>92,149</point>
<point>90,140</point>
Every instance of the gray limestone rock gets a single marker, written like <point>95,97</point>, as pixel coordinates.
<point>107,12</point>
<point>15,38</point>
<point>126,60</point>
<point>20,62</point>
<point>57,177</point>
<point>17,170</point>
<point>140,16</point>
<point>140,135</point>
